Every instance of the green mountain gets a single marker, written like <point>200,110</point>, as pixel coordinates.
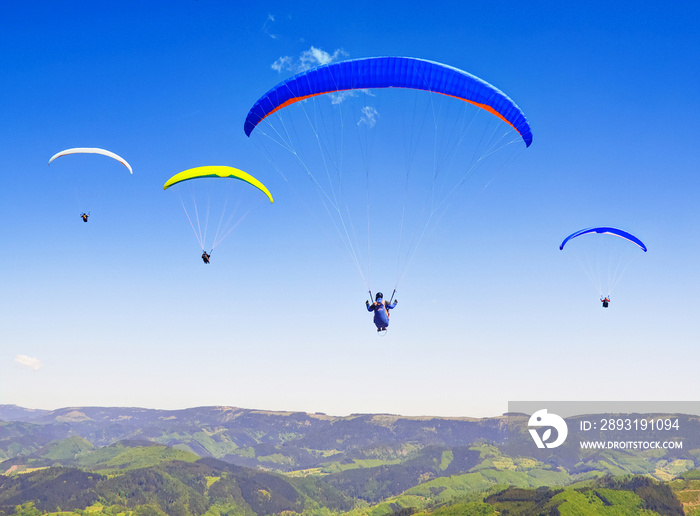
<point>283,441</point>
<point>144,478</point>
<point>223,460</point>
<point>295,441</point>
<point>173,488</point>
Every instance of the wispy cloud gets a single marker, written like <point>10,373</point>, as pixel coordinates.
<point>283,63</point>
<point>317,57</point>
<point>307,59</point>
<point>31,363</point>
<point>339,96</point>
<point>369,116</point>
<point>267,29</point>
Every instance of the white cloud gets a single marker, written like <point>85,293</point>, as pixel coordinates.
<point>307,59</point>
<point>369,116</point>
<point>317,57</point>
<point>31,363</point>
<point>339,96</point>
<point>283,63</point>
<point>266,26</point>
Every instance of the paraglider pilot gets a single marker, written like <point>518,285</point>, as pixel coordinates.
<point>605,300</point>
<point>84,216</point>
<point>205,257</point>
<point>381,311</point>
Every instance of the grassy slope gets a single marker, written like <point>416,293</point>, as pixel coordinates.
<point>313,495</point>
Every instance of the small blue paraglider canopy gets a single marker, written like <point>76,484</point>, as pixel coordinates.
<point>606,231</point>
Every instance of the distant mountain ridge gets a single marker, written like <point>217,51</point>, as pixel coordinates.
<point>219,413</point>
<point>228,460</point>
<point>240,436</point>
<point>21,414</point>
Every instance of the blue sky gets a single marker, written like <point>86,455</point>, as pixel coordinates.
<point>121,311</point>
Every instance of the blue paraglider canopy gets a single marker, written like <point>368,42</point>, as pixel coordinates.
<point>390,72</point>
<point>606,231</point>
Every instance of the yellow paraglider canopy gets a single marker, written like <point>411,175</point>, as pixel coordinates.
<point>216,171</point>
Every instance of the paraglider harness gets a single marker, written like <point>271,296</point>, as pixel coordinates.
<point>206,256</point>
<point>384,304</point>
<point>605,301</point>
<point>84,216</point>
